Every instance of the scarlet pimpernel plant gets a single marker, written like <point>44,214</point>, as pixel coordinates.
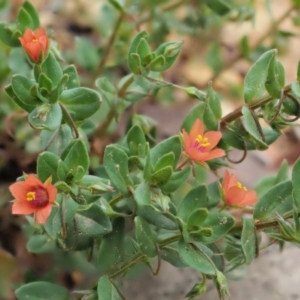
<point>101,187</point>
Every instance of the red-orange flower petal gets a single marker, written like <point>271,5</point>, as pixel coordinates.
<point>216,153</point>
<point>186,141</point>
<point>41,215</point>
<point>198,156</point>
<point>19,190</point>
<point>197,129</point>
<point>22,208</point>
<point>199,146</point>
<point>213,137</point>
<point>235,194</point>
<point>32,196</point>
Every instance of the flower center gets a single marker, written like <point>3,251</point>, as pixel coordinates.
<point>35,40</point>
<point>240,186</point>
<point>201,143</point>
<point>38,197</point>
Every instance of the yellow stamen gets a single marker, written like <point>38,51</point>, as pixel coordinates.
<point>35,40</point>
<point>202,141</point>
<point>240,186</point>
<point>30,196</point>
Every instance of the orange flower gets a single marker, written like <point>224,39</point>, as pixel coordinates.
<point>199,145</point>
<point>32,196</point>
<point>35,44</point>
<point>234,194</point>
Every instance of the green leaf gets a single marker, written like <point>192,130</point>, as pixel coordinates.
<point>52,69</point>
<point>221,7</point>
<point>209,118</point>
<point>176,180</point>
<point>24,19</point>
<point>275,79</point>
<point>213,194</point>
<point>145,237</point>
<point>118,4</point>
<point>248,239</point>
<point>40,244</point>
<point>58,139</point>
<point>171,255</point>
<point>40,290</point>
<point>30,9</point>
<point>21,86</point>
<point>107,90</point>
<point>155,217</point>
<point>252,126</point>
<point>244,47</point>
<point>73,81</point>
<point>11,94</point>
<point>142,194</point>
<point>171,144</point>
<point>298,71</point>
<point>136,141</point>
<point>214,103</point>
<point>47,165</point>
<point>92,221</point>
<point>53,225</point>
<point>283,172</point>
<point>143,49</point>
<point>220,223</point>
<point>91,187</point>
<point>237,137</point>
<point>277,199</point>
<point>7,35</point>
<point>193,115</point>
<point>46,116</point>
<point>162,176</point>
<point>157,65</point>
<point>196,198</point>
<point>257,76</point>
<point>195,259</point>
<point>74,156</point>
<point>167,54</point>
<point>86,54</point>
<point>80,102</point>
<point>133,64</point>
<point>111,251</point>
<point>116,167</point>
<point>57,91</point>
<point>45,82</point>
<point>296,185</point>
<point>197,217</point>
<point>107,291</point>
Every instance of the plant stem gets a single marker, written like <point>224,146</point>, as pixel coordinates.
<point>109,45</point>
<point>253,105</point>
<point>138,257</point>
<point>113,112</point>
<point>115,200</point>
<point>182,164</point>
<point>259,226</point>
<point>70,119</point>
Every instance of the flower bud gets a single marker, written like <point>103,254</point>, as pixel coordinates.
<point>36,44</point>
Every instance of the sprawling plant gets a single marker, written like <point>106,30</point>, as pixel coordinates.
<point>136,200</point>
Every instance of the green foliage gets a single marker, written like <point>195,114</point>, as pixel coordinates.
<point>126,191</point>
<point>257,76</point>
<point>277,200</point>
<point>42,290</point>
<point>107,290</point>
